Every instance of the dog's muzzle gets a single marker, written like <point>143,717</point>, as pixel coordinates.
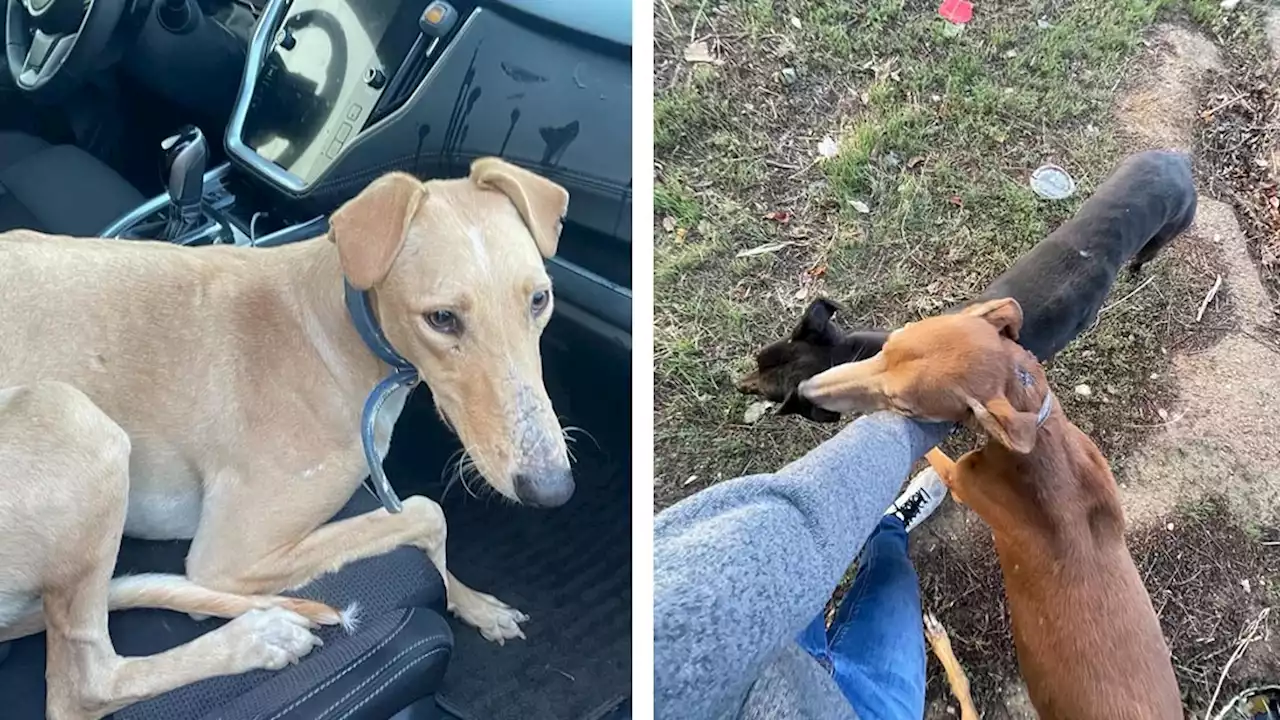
<point>546,489</point>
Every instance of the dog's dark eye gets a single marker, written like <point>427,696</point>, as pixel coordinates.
<point>443,321</point>
<point>539,301</point>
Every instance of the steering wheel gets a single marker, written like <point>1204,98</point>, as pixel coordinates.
<point>52,45</point>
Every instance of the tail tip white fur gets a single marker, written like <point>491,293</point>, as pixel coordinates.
<point>349,617</point>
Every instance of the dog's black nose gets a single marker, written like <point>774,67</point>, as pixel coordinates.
<point>548,489</point>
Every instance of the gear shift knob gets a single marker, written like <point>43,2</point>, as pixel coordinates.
<point>182,168</point>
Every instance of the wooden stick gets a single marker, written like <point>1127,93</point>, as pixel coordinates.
<point>959,682</point>
<point>1209,298</point>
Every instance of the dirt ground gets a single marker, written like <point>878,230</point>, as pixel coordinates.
<point>1183,407</point>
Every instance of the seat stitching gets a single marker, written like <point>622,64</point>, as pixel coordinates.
<point>390,680</point>
<point>370,678</point>
<point>403,623</point>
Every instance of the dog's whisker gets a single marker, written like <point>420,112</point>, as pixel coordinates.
<point>569,429</point>
<point>467,471</point>
<point>450,468</point>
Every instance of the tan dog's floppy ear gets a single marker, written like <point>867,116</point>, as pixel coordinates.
<point>1005,314</point>
<point>1011,428</point>
<point>542,204</point>
<point>370,228</point>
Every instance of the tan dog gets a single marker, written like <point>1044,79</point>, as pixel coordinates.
<point>63,495</point>
<point>240,378</point>
<point>1089,642</point>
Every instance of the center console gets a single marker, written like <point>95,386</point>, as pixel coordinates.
<point>335,93</point>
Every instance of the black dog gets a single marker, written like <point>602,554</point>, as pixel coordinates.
<point>1060,284</point>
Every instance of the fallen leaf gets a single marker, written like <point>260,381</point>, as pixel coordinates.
<point>1229,4</point>
<point>816,271</point>
<point>956,200</point>
<point>681,233</point>
<point>700,52</point>
<point>1083,390</point>
<point>914,161</point>
<point>795,22</point>
<point>763,249</point>
<point>828,148</point>
<point>668,223</point>
<point>860,206</point>
<point>755,411</point>
<point>690,481</point>
<point>802,293</point>
<point>779,216</point>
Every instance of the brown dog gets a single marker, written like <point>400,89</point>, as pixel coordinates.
<point>1089,643</point>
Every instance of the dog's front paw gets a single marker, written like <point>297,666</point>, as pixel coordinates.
<point>270,639</point>
<point>496,620</point>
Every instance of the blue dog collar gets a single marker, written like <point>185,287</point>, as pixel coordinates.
<point>403,375</point>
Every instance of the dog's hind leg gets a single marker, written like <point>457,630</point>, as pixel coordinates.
<point>87,679</point>
<point>1157,243</point>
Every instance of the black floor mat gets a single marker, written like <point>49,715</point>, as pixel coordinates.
<point>569,568</point>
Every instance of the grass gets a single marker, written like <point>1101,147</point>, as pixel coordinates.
<point>936,137</point>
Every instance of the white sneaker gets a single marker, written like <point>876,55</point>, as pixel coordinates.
<point>922,496</point>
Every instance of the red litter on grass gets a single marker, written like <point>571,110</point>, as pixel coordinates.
<point>956,11</point>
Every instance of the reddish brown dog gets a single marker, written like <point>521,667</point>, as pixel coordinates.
<point>1089,643</point>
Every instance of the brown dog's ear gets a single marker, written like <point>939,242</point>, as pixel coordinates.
<point>542,204</point>
<point>1005,314</point>
<point>370,228</point>
<point>1006,425</point>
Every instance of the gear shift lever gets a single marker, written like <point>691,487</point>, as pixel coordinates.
<point>182,167</point>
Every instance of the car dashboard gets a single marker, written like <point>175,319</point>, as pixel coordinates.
<point>337,92</point>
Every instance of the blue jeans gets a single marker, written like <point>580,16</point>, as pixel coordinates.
<point>874,648</point>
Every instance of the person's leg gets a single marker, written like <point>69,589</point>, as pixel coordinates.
<point>813,640</point>
<point>876,641</point>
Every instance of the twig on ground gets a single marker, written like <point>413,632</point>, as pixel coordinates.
<point>1207,113</point>
<point>693,31</point>
<point>1122,300</point>
<point>1248,637</point>
<point>959,682</point>
<point>1166,423</point>
<point>675,26</point>
<point>1213,291</point>
<point>1098,318</point>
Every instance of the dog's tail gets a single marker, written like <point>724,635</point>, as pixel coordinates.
<point>176,592</point>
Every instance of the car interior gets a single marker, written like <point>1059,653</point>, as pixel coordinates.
<point>246,122</point>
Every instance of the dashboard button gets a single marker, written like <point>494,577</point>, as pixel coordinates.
<point>335,147</point>
<point>344,132</point>
<point>353,112</point>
